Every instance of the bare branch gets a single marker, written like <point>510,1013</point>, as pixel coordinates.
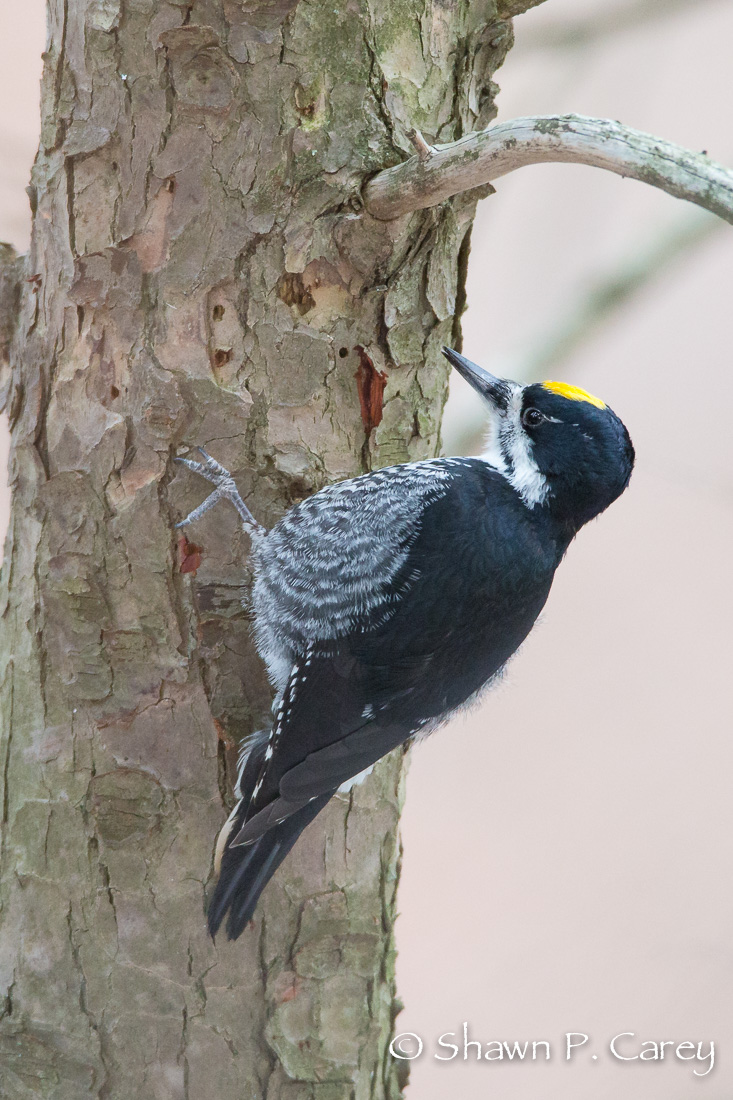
<point>423,150</point>
<point>482,157</point>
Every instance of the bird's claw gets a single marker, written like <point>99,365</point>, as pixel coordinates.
<point>209,468</point>
<point>225,488</point>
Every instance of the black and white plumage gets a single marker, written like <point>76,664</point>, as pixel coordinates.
<point>383,603</point>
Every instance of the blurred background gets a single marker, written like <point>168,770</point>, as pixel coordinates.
<point>568,846</point>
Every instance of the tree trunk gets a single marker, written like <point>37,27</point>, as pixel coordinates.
<point>202,272</point>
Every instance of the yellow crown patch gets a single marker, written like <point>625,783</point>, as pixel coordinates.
<point>573,393</point>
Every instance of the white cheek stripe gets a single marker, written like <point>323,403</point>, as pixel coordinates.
<point>510,451</point>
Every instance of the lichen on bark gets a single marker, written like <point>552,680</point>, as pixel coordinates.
<point>202,273</point>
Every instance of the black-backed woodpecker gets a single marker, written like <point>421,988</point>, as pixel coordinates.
<point>386,602</point>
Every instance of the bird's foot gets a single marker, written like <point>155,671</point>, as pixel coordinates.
<point>225,489</point>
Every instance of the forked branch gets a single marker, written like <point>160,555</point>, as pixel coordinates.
<point>481,157</point>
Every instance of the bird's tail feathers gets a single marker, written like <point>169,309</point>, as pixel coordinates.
<point>246,870</point>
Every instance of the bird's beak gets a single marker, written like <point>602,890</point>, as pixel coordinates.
<point>495,390</point>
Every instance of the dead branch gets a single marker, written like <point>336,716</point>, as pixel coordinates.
<point>484,156</point>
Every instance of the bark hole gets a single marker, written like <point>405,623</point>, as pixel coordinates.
<point>292,290</point>
<point>222,356</point>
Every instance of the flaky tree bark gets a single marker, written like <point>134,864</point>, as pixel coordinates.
<point>202,271</point>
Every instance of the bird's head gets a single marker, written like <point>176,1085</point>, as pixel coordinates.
<point>560,447</point>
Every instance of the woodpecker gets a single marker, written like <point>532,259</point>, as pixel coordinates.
<point>387,602</point>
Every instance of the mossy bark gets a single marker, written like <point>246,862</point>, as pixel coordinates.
<point>202,273</point>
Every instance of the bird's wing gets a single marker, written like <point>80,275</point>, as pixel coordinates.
<point>324,733</point>
<point>319,736</point>
<point>339,570</point>
<point>336,561</point>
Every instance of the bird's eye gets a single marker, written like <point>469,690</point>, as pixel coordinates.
<point>532,417</point>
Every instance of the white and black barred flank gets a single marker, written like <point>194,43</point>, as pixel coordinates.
<point>308,590</point>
